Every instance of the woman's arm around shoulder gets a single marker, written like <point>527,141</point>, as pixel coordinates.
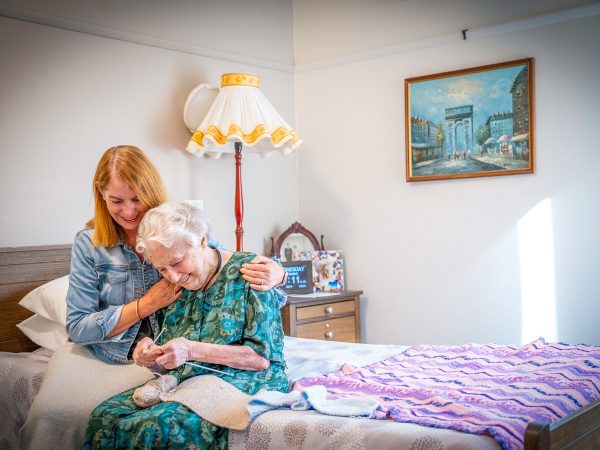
<point>264,274</point>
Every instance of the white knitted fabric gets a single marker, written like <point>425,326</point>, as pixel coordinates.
<point>312,397</point>
<point>223,404</point>
<point>214,400</point>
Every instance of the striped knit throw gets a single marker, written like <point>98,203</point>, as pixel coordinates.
<point>482,389</point>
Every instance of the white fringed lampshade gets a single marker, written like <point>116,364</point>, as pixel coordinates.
<point>241,113</point>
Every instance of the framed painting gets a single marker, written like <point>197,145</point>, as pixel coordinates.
<point>475,122</point>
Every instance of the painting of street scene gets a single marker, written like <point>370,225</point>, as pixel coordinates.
<point>470,123</point>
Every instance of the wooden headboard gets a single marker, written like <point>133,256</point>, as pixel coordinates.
<point>21,270</point>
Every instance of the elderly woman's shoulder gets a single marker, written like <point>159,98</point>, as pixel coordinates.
<point>239,258</point>
<point>233,264</point>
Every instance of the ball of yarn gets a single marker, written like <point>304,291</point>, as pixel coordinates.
<point>149,393</point>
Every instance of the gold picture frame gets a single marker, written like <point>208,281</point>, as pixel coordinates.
<point>474,122</point>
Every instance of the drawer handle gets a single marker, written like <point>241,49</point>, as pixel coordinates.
<point>327,325</point>
<point>329,334</point>
<point>329,310</point>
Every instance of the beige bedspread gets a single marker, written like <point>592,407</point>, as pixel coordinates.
<point>21,375</point>
<point>275,430</point>
<point>75,382</point>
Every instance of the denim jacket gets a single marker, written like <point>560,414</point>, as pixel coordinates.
<point>101,282</point>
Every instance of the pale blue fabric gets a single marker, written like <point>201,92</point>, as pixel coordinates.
<point>312,397</point>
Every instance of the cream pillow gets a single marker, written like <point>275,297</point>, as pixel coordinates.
<point>44,332</point>
<point>49,300</point>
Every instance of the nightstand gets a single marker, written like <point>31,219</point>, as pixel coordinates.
<point>332,318</point>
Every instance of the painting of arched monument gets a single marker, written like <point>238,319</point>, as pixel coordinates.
<point>472,122</point>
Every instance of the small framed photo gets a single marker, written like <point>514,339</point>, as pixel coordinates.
<point>475,122</point>
<point>328,271</point>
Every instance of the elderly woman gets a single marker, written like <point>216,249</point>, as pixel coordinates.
<point>218,322</point>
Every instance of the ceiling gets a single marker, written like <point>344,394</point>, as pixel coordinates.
<point>288,32</point>
<point>326,29</point>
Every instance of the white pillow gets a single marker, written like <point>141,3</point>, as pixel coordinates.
<point>44,332</point>
<point>49,300</point>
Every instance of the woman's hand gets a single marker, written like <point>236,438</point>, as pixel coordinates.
<point>174,353</point>
<point>262,273</point>
<point>145,354</point>
<point>162,294</point>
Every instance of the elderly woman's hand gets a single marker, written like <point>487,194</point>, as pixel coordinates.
<point>263,273</point>
<point>145,354</point>
<point>174,353</point>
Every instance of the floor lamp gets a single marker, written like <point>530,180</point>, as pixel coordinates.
<point>241,118</point>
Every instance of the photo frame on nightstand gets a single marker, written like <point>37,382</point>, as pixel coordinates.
<point>327,269</point>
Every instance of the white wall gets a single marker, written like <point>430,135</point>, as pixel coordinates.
<point>446,262</point>
<point>65,97</point>
<point>460,260</point>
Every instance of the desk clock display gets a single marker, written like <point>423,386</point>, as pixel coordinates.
<point>300,277</point>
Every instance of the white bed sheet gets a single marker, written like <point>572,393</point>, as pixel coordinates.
<point>311,357</point>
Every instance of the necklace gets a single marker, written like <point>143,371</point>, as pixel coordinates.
<point>216,268</point>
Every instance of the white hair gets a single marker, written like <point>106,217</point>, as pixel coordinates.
<point>171,223</point>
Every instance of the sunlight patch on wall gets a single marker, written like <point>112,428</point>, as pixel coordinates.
<point>536,257</point>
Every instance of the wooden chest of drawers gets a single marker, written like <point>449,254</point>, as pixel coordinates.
<point>335,317</point>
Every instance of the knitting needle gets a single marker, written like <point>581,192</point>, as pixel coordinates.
<point>154,341</point>
<point>208,368</point>
<point>158,335</point>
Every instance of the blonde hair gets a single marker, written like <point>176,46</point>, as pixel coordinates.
<point>132,166</point>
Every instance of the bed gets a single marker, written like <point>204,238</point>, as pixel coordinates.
<point>29,376</point>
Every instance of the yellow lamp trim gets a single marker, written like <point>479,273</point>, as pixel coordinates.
<point>240,79</point>
<point>259,131</point>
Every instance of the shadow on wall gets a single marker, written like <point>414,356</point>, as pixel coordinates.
<point>538,274</point>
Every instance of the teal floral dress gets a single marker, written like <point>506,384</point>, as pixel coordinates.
<point>230,313</point>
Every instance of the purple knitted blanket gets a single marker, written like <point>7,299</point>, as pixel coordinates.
<point>481,389</point>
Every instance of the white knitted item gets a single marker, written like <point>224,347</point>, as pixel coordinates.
<point>312,397</point>
<point>214,400</point>
<point>223,404</point>
<point>149,393</point>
